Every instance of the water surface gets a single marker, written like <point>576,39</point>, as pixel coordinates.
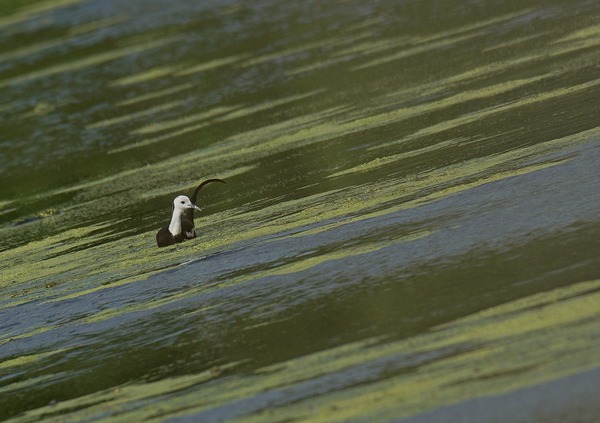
<point>409,224</point>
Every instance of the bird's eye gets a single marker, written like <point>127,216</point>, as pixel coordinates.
<point>183,202</point>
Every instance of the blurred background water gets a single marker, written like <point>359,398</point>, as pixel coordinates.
<point>409,224</point>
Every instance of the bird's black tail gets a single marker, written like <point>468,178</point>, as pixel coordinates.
<point>190,212</point>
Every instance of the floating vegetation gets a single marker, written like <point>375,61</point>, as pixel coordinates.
<point>410,219</point>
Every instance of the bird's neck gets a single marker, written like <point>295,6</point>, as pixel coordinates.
<point>175,225</point>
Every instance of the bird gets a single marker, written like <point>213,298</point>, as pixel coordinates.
<point>182,226</point>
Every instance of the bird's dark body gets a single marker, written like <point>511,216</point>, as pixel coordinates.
<point>164,237</point>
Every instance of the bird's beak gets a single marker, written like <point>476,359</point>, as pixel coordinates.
<point>196,207</point>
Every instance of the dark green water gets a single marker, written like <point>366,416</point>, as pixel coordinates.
<point>410,220</point>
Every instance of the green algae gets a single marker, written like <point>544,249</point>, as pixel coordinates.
<point>479,164</point>
<point>589,34</point>
<point>374,46</point>
<point>462,97</point>
<point>28,383</point>
<point>75,31</point>
<point>514,344</point>
<point>260,59</point>
<point>135,115</point>
<point>28,359</point>
<point>314,132</point>
<point>34,10</point>
<point>442,39</point>
<point>512,339</point>
<point>183,121</point>
<point>212,64</point>
<point>145,76</point>
<point>517,41</point>
<point>194,122</point>
<point>499,349</point>
<point>86,62</point>
<point>117,400</point>
<point>472,117</point>
<point>303,264</point>
<point>224,230</point>
<point>252,109</point>
<point>5,204</point>
<point>154,95</point>
<point>131,267</point>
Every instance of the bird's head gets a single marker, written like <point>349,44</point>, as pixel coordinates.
<point>182,203</point>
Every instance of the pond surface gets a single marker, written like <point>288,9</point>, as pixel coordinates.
<point>409,228</point>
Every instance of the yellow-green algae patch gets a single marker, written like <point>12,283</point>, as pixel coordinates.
<point>328,128</point>
<point>183,121</point>
<point>315,66</point>
<point>578,40</point>
<point>374,46</point>
<point>34,10</point>
<point>303,131</point>
<point>92,60</point>
<point>138,258</point>
<point>212,64</point>
<point>573,42</point>
<point>5,203</point>
<point>9,337</point>
<point>117,400</point>
<point>443,38</point>
<point>481,164</point>
<point>155,94</point>
<point>17,267</point>
<point>137,307</point>
<point>515,345</point>
<point>131,259</point>
<point>386,160</point>
<point>28,383</point>
<point>134,258</point>
<point>145,76</point>
<point>462,97</point>
<point>184,125</point>
<point>247,146</point>
<point>299,265</point>
<point>310,210</point>
<point>28,359</point>
<point>493,110</point>
<point>492,346</point>
<point>135,115</point>
<point>41,46</point>
<point>249,110</point>
<point>517,41</point>
<point>257,60</point>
